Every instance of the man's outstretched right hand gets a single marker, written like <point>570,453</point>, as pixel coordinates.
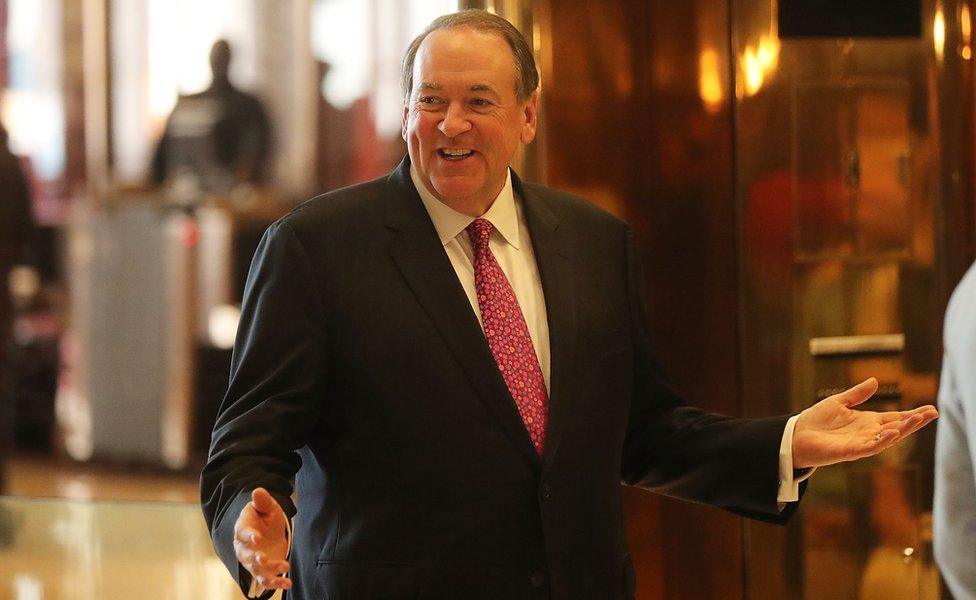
<point>261,541</point>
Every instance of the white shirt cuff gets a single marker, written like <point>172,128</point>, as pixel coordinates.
<point>257,589</point>
<point>789,482</point>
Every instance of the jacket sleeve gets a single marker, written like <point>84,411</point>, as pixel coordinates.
<point>276,389</point>
<point>686,452</point>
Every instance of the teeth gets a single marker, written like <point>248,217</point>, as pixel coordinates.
<point>455,153</point>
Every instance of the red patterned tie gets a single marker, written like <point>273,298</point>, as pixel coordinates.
<point>508,336</point>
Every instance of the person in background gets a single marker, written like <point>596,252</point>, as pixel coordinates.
<point>17,233</point>
<point>455,368</point>
<point>954,507</point>
<point>221,136</point>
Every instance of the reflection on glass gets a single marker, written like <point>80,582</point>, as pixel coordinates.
<point>837,166</point>
<point>824,169</point>
<point>710,80</point>
<point>358,47</point>
<point>882,137</point>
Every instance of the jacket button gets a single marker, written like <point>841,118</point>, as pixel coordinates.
<point>546,491</point>
<point>537,579</point>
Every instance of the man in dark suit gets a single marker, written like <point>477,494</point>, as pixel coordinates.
<point>455,367</point>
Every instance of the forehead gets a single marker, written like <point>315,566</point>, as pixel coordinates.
<point>463,56</point>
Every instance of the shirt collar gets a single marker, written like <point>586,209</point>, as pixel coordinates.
<point>448,222</point>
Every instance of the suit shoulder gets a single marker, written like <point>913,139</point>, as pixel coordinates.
<point>576,208</point>
<point>354,206</point>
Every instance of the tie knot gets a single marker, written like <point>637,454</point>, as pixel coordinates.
<point>479,231</point>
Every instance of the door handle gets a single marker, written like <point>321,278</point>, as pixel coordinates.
<point>857,344</point>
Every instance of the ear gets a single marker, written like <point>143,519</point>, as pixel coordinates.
<point>530,114</point>
<point>403,121</point>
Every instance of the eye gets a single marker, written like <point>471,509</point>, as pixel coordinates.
<point>428,100</point>
<point>480,102</point>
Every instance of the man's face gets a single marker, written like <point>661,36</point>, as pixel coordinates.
<point>462,122</point>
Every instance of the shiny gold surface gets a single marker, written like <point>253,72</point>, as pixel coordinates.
<point>637,100</point>
<point>845,161</point>
<point>83,550</point>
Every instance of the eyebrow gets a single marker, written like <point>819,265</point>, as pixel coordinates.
<point>483,87</point>
<point>478,87</point>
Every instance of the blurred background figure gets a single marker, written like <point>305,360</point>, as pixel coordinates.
<point>335,129</point>
<point>217,138</point>
<point>955,481</point>
<point>16,236</point>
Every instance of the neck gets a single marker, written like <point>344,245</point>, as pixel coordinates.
<point>473,206</point>
<point>220,83</point>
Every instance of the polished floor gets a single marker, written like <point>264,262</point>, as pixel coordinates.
<point>82,532</point>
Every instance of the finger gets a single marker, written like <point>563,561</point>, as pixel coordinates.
<point>245,556</point>
<point>916,422</point>
<point>274,583</point>
<point>247,535</point>
<point>888,417</point>
<point>885,438</point>
<point>262,566</point>
<point>904,428</point>
<point>278,567</point>
<point>910,424</point>
<point>262,502</point>
<point>859,393</point>
<point>877,443</point>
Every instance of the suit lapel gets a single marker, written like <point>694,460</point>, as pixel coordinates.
<point>420,257</point>
<point>553,254</point>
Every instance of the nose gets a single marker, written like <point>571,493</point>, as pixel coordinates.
<point>454,122</point>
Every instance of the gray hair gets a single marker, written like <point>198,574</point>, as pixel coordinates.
<point>526,75</point>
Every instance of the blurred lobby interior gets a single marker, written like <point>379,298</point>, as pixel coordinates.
<point>802,192</point>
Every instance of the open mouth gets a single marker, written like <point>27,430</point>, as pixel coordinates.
<point>454,155</point>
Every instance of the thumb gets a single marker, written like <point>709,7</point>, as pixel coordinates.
<point>859,393</point>
<point>263,502</point>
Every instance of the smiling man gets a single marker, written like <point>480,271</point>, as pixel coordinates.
<point>455,368</point>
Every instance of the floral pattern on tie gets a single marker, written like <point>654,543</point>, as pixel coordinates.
<point>508,336</point>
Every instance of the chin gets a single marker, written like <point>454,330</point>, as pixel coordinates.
<point>454,190</point>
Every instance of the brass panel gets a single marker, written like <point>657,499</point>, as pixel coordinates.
<point>848,159</point>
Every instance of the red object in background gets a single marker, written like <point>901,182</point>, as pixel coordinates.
<point>189,233</point>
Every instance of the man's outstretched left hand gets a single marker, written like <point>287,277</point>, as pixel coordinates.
<point>831,431</point>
